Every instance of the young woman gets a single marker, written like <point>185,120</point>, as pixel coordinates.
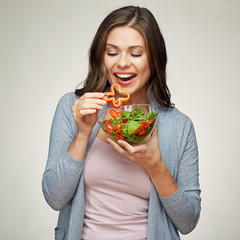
<point>113,190</point>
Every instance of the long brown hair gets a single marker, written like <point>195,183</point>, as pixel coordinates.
<point>142,20</point>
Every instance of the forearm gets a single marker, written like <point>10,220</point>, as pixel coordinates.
<point>59,183</point>
<point>182,207</point>
<point>78,147</point>
<point>163,181</point>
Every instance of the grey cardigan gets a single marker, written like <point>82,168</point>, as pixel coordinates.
<point>63,181</point>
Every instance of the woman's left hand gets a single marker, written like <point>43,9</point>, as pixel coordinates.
<point>146,154</point>
<point>149,157</point>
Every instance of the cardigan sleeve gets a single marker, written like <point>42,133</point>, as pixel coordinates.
<point>183,207</point>
<point>62,172</point>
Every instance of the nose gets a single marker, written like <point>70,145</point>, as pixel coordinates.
<point>124,60</point>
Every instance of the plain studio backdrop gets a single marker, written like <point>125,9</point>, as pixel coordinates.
<point>44,54</point>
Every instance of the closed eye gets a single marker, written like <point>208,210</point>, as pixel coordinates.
<point>136,55</point>
<point>112,54</point>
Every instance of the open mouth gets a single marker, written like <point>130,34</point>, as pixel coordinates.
<point>125,77</point>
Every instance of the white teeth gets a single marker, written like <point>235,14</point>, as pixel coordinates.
<point>124,75</point>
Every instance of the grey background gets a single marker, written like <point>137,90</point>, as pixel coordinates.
<point>43,54</point>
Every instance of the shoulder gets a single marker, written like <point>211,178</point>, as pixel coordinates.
<point>177,128</point>
<point>66,102</point>
<point>172,116</point>
<point>175,116</point>
<point>181,118</point>
<point>63,114</point>
<point>64,106</point>
<point>68,99</point>
<point>176,123</point>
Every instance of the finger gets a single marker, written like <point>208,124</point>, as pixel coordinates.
<point>83,101</point>
<point>93,95</point>
<point>133,152</point>
<point>117,147</point>
<point>131,149</point>
<point>93,100</point>
<point>87,111</point>
<point>86,106</point>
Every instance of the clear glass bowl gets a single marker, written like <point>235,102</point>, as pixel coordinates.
<point>131,123</point>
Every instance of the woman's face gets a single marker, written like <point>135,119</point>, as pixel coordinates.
<point>126,61</point>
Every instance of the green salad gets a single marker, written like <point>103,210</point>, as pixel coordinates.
<point>132,126</point>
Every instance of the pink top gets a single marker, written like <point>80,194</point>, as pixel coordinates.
<point>116,196</point>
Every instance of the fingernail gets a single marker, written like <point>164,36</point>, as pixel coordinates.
<point>103,102</point>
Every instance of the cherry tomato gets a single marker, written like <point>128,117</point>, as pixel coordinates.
<point>124,120</point>
<point>109,128</point>
<point>115,114</point>
<point>119,136</point>
<point>117,128</point>
<point>107,121</point>
<point>142,132</point>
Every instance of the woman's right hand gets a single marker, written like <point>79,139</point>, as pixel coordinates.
<point>85,111</point>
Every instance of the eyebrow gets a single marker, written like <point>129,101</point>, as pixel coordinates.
<point>114,46</point>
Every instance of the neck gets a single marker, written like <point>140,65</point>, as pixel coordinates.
<point>139,97</point>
